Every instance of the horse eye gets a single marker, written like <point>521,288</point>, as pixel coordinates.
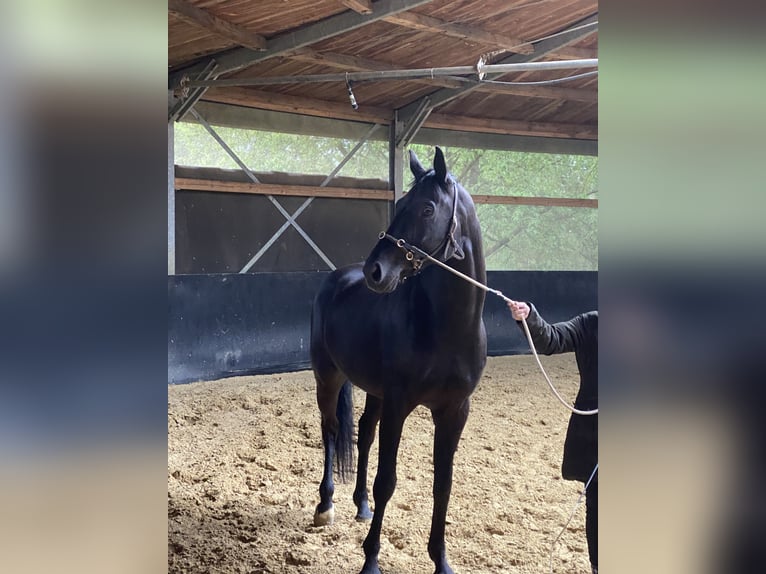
<point>428,211</point>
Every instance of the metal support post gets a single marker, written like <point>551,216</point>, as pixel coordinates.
<point>171,195</point>
<point>395,162</point>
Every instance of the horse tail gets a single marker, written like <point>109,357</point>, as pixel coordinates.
<point>344,440</point>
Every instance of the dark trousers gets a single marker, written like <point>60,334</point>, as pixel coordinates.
<point>591,520</point>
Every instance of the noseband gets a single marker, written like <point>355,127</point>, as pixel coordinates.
<point>417,256</point>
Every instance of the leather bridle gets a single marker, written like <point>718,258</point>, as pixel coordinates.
<point>417,256</point>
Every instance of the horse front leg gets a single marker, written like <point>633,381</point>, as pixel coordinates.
<point>391,424</point>
<point>367,423</point>
<point>449,424</point>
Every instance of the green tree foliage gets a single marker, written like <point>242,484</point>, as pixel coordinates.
<point>528,237</point>
<point>515,237</point>
<point>268,151</point>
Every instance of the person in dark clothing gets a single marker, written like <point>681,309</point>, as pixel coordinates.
<point>578,335</point>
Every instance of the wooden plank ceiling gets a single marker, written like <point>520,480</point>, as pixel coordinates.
<point>440,33</point>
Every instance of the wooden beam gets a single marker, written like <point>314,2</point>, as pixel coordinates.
<point>218,26</point>
<point>360,6</point>
<point>511,127</point>
<point>547,92</point>
<point>222,186</point>
<point>569,53</point>
<point>506,142</point>
<point>294,104</point>
<point>537,201</point>
<point>471,33</point>
<point>298,105</point>
<point>274,121</point>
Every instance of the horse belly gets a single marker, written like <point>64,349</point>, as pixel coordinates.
<point>360,373</point>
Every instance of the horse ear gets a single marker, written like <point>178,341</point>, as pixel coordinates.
<point>417,170</point>
<point>440,166</point>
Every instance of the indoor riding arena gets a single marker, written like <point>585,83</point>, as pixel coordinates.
<point>289,129</point>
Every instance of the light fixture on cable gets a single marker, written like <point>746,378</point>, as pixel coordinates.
<point>351,97</point>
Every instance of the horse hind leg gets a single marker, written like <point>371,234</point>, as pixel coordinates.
<point>367,424</point>
<point>334,398</point>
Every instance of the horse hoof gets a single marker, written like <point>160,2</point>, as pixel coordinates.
<point>325,518</point>
<point>363,512</point>
<point>370,567</point>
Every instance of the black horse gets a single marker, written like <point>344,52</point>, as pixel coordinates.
<point>408,333</point>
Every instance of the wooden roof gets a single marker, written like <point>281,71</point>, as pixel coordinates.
<point>249,39</point>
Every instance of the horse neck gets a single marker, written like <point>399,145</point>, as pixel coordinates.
<point>464,301</point>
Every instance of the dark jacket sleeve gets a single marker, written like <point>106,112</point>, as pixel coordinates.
<point>552,339</point>
<point>578,335</point>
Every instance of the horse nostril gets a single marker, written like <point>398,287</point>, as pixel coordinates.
<point>377,273</point>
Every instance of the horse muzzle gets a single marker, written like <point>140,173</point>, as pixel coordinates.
<point>379,277</point>
<point>384,269</point>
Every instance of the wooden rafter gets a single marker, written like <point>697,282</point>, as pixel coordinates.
<point>360,6</point>
<point>218,26</point>
<point>238,58</point>
<point>472,33</point>
<point>542,48</point>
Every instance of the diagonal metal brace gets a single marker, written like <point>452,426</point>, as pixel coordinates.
<point>412,124</point>
<point>251,175</point>
<point>305,204</point>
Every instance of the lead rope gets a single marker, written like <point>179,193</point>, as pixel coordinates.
<point>571,515</point>
<point>473,281</point>
<point>499,293</point>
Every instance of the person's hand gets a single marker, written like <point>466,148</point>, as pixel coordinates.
<point>518,309</point>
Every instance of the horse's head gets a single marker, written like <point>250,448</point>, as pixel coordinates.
<point>426,222</point>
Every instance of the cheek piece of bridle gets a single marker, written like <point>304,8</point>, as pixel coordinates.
<point>417,256</point>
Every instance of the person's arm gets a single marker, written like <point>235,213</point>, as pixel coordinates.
<point>548,339</point>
